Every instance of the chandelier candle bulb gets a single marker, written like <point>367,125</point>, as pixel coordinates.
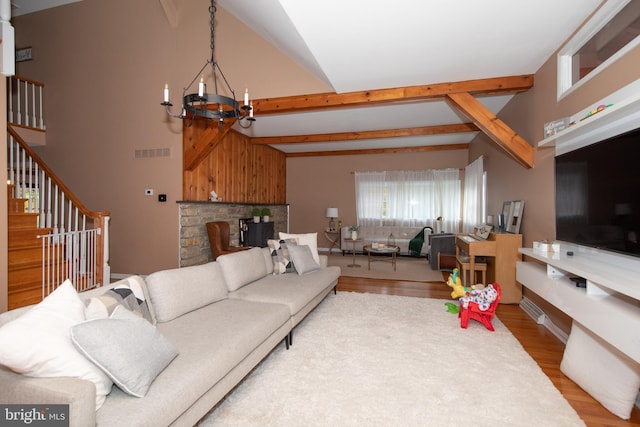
<point>251,110</point>
<point>246,97</point>
<point>166,92</point>
<point>201,87</point>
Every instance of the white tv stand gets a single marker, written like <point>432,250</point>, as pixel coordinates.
<point>609,306</point>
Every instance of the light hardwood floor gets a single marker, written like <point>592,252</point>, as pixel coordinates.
<point>541,344</point>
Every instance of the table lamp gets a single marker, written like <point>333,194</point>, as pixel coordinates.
<point>332,213</point>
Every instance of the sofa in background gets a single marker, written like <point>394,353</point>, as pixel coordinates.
<point>213,324</point>
<point>369,235</point>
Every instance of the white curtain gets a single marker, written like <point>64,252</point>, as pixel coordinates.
<point>408,198</point>
<point>474,203</point>
<point>370,195</point>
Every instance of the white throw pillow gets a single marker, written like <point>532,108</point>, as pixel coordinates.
<point>607,374</point>
<point>309,239</point>
<point>130,350</point>
<point>38,343</point>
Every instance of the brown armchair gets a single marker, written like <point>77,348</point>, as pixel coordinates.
<point>219,236</point>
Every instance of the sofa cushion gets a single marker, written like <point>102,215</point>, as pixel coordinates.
<point>310,239</point>
<point>303,259</point>
<point>38,343</point>
<point>129,295</point>
<point>127,348</point>
<point>242,268</point>
<point>181,290</point>
<point>280,256</point>
<point>266,254</point>
<point>290,289</point>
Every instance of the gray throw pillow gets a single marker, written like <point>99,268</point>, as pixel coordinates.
<point>302,258</point>
<point>130,350</point>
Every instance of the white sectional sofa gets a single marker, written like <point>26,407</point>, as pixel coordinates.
<point>369,235</point>
<point>217,320</point>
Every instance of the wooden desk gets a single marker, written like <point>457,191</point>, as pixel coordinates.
<point>501,250</point>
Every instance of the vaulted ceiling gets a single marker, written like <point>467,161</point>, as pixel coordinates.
<point>408,74</point>
<point>436,53</point>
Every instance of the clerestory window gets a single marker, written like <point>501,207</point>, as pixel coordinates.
<point>611,32</point>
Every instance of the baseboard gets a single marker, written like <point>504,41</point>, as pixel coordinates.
<point>541,318</point>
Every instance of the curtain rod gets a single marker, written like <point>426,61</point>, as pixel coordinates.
<point>354,172</point>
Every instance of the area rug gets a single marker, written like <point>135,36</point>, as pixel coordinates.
<point>407,268</point>
<point>381,360</point>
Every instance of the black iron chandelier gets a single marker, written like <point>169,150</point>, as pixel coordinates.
<point>211,105</point>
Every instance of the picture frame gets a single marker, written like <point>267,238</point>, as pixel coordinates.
<point>505,216</point>
<point>512,225</point>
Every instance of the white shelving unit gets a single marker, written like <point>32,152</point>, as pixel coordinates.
<point>608,308</point>
<point>610,304</point>
<point>621,117</point>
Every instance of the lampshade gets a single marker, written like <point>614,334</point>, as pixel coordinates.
<point>332,213</point>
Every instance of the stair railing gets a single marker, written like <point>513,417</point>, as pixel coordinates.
<point>60,211</point>
<point>25,99</point>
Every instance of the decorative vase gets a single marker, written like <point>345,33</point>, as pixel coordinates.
<point>391,240</point>
<point>354,235</point>
<point>265,218</point>
<point>256,219</point>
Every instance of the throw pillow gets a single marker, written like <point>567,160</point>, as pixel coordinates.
<point>310,239</point>
<point>129,295</point>
<point>37,344</point>
<point>280,255</point>
<point>616,387</point>
<point>303,259</point>
<point>130,350</point>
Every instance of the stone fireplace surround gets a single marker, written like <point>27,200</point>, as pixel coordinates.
<point>193,216</point>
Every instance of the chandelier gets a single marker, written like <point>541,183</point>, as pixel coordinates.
<point>211,105</point>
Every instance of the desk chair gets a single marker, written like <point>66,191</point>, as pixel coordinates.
<point>464,266</point>
<point>219,235</point>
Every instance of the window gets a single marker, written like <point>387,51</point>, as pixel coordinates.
<point>609,34</point>
<point>408,198</point>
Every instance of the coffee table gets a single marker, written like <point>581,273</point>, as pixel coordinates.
<point>384,250</point>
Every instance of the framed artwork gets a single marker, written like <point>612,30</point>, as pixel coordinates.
<point>515,219</point>
<point>505,217</point>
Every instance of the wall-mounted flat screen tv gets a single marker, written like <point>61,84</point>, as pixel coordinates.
<point>598,194</point>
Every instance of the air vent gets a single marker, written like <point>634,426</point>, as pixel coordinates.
<point>150,153</point>
<point>533,310</point>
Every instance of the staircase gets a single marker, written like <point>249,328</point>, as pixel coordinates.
<point>51,235</point>
<point>25,253</point>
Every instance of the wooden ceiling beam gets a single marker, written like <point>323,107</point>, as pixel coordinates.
<point>506,138</point>
<point>380,150</point>
<point>372,134</point>
<point>492,86</point>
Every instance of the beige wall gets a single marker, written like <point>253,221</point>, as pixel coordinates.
<point>104,64</point>
<point>316,183</point>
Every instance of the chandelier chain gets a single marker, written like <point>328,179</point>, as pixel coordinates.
<point>200,103</point>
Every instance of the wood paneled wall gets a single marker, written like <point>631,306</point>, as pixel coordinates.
<point>239,172</point>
